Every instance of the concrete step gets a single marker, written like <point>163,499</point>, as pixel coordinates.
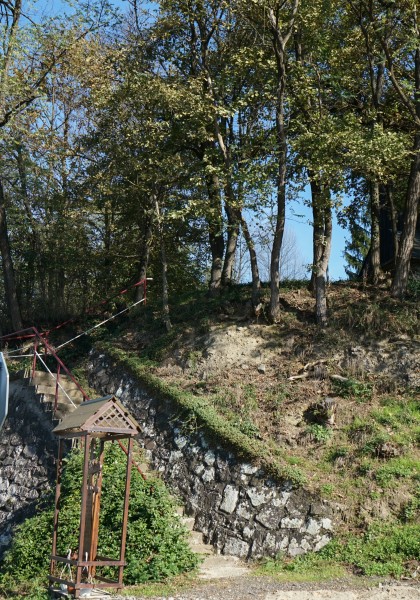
<point>64,407</point>
<point>197,545</point>
<point>74,394</point>
<point>43,377</point>
<point>189,523</point>
<point>222,567</point>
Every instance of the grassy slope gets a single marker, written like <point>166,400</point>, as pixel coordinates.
<point>374,443</point>
<point>368,461</point>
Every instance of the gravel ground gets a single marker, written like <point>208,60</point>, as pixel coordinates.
<point>262,588</point>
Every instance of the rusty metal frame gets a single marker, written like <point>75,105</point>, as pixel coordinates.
<point>89,565</point>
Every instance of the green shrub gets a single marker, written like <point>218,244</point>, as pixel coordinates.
<point>349,388</point>
<point>397,468</point>
<point>411,510</point>
<point>372,445</point>
<point>338,452</point>
<point>383,550</point>
<point>156,540</point>
<point>320,433</point>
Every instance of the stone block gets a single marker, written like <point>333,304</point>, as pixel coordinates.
<point>326,524</point>
<point>294,548</point>
<point>236,547</point>
<point>269,517</point>
<point>323,541</point>
<point>288,523</point>
<point>209,458</point>
<point>312,527</point>
<point>247,469</point>
<point>258,496</point>
<point>230,499</point>
<point>208,475</point>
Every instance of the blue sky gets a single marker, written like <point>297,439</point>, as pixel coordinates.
<point>301,226</point>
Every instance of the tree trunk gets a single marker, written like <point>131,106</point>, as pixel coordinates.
<point>256,283</point>
<point>144,256</point>
<point>217,243</point>
<point>317,231</point>
<point>279,46</point>
<point>165,290</point>
<point>402,270</point>
<point>8,271</point>
<point>274,311</point>
<point>375,240</point>
<point>234,220</point>
<point>108,231</point>
<point>393,217</point>
<point>321,208</point>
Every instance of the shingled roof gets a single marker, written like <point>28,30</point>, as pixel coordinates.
<point>100,417</point>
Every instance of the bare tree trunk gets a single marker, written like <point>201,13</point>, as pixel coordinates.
<point>280,40</point>
<point>144,256</point>
<point>217,243</point>
<point>402,270</point>
<point>108,230</point>
<point>274,311</point>
<point>165,290</point>
<point>234,221</point>
<point>375,240</point>
<point>8,271</point>
<point>317,231</point>
<point>393,217</point>
<point>256,283</point>
<point>321,209</point>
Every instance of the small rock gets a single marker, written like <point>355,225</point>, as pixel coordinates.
<point>288,523</point>
<point>257,497</point>
<point>209,458</point>
<point>236,547</point>
<point>261,369</point>
<point>208,475</point>
<point>230,499</point>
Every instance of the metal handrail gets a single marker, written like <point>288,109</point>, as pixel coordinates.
<point>58,384</point>
<point>51,351</point>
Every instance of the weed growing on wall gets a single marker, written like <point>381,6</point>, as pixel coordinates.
<point>156,540</point>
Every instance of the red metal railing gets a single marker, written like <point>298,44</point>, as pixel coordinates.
<point>39,341</point>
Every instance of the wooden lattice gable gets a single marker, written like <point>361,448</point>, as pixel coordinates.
<point>101,416</point>
<point>112,417</point>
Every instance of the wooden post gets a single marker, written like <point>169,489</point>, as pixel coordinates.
<point>56,504</point>
<point>125,510</point>
<point>83,512</point>
<point>96,507</point>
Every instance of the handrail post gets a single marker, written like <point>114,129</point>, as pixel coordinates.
<point>49,349</point>
<point>34,358</point>
<point>56,388</point>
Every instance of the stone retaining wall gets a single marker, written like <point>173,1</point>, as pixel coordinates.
<point>239,509</point>
<point>27,450</point>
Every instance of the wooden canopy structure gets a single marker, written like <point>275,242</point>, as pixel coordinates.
<point>94,423</point>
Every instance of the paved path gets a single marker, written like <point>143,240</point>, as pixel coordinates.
<point>265,588</point>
